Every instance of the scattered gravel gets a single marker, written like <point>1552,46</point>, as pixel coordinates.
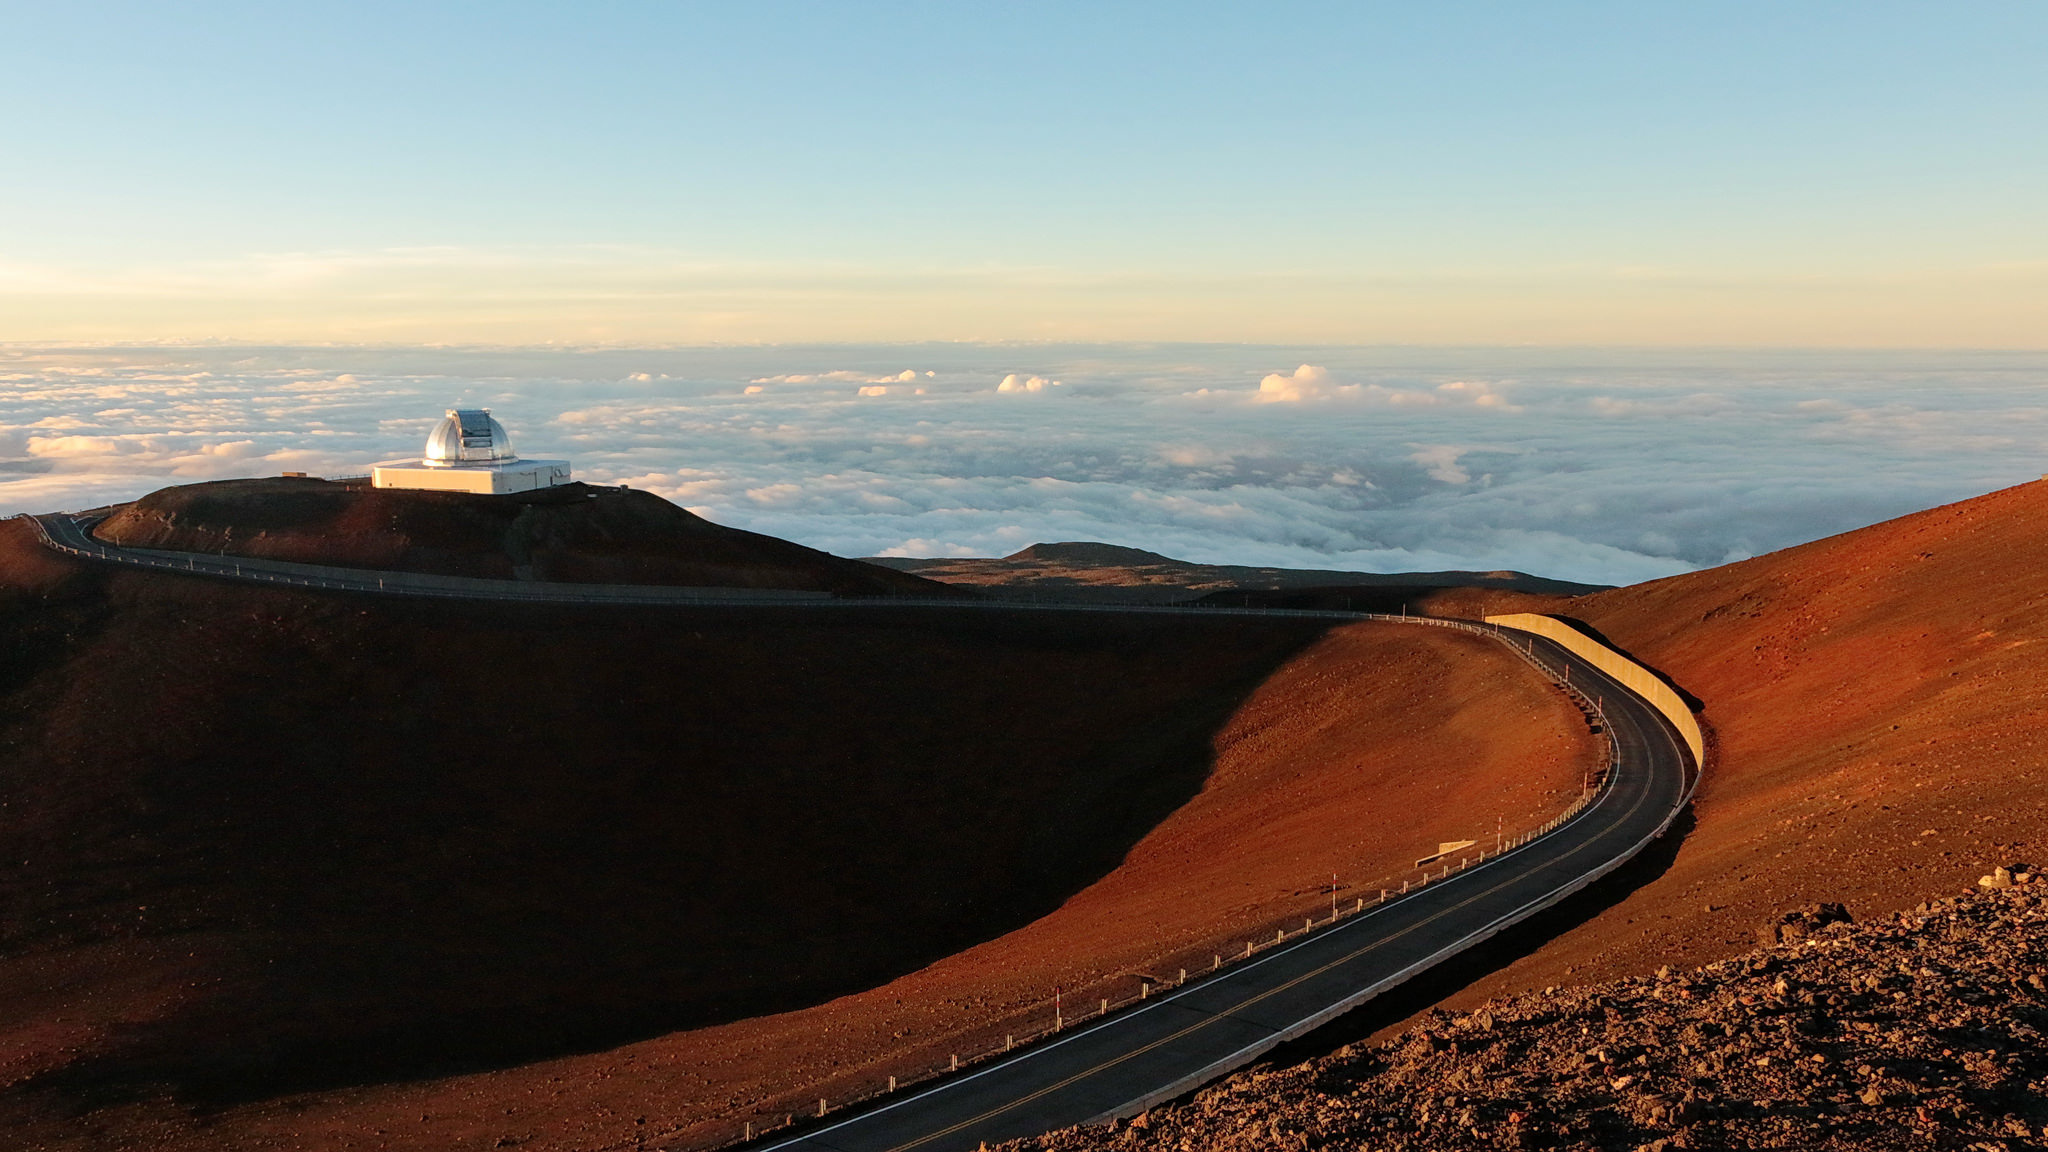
<point>1921,1030</point>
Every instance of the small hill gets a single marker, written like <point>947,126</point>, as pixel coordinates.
<point>1111,573</point>
<point>574,533</point>
<point>1086,553</point>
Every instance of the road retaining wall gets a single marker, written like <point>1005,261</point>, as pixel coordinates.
<point>1639,679</point>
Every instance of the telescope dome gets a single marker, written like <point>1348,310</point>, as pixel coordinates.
<point>469,436</point>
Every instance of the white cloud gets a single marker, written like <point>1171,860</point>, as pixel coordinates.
<point>1441,462</point>
<point>1307,382</point>
<point>80,447</point>
<point>839,376</point>
<point>1697,404</point>
<point>1477,393</point>
<point>1312,382</point>
<point>1388,461</point>
<point>1016,383</point>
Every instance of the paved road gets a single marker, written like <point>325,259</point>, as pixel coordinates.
<point>1129,1061</point>
<point>73,535</point>
<point>1123,1063</point>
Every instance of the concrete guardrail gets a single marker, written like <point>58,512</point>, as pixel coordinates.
<point>1637,678</point>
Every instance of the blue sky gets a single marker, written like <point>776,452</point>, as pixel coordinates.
<point>1820,174</point>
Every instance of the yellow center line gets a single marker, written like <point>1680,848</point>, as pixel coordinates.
<point>1274,991</point>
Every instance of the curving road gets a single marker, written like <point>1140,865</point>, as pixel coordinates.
<point>1176,1042</point>
<point>1123,1063</point>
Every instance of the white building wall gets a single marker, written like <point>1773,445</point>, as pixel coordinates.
<point>485,479</point>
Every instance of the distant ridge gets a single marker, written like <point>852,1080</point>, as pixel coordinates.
<point>1089,552</point>
<point>1098,571</point>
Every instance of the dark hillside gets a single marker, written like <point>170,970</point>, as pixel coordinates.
<point>258,839</point>
<point>1111,573</point>
<point>575,533</point>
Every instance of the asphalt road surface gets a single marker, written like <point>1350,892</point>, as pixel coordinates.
<point>1182,1039</point>
<point>1123,1063</point>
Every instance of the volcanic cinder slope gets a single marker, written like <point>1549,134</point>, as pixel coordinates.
<point>333,871</point>
<point>1875,704</point>
<point>1878,708</point>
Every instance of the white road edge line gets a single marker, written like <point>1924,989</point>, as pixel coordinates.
<point>1186,1083</point>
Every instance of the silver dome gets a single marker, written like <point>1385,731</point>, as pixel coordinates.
<point>469,436</point>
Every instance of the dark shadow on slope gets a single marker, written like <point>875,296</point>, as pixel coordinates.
<point>411,839</point>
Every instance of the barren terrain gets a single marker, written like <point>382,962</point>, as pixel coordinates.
<point>1109,573</point>
<point>1877,704</point>
<point>321,871</point>
<point>1874,702</point>
<point>1921,1030</point>
<point>575,533</point>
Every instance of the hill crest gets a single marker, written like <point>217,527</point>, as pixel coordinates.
<point>1097,571</point>
<point>573,533</point>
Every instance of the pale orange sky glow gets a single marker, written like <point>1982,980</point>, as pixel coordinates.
<point>621,294</point>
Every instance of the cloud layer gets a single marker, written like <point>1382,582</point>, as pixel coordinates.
<point>1602,467</point>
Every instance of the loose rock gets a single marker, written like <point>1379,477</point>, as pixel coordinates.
<point>1916,1031</point>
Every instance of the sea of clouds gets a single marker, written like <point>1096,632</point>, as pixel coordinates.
<point>1601,466</point>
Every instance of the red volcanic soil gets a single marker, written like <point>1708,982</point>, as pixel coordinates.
<point>1877,703</point>
<point>574,533</point>
<point>324,871</point>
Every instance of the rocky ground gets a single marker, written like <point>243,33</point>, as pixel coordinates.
<point>1917,1030</point>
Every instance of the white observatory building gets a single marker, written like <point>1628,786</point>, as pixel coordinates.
<point>468,451</point>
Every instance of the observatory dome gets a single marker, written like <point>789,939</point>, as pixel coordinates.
<point>469,452</point>
<point>468,436</point>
